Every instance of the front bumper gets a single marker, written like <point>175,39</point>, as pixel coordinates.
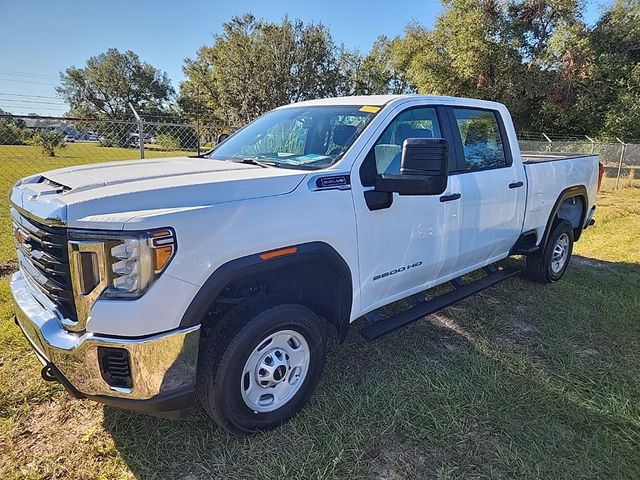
<point>163,366</point>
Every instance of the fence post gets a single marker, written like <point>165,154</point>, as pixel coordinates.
<point>548,140</point>
<point>593,142</point>
<point>624,145</point>
<point>140,131</point>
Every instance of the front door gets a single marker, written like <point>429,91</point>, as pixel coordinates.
<point>410,242</point>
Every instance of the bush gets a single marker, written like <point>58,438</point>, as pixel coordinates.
<point>167,142</point>
<point>11,134</point>
<point>49,141</point>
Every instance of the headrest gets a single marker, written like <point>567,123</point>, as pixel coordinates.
<point>342,134</point>
<point>405,131</point>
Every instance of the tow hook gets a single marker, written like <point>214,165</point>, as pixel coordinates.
<point>47,374</point>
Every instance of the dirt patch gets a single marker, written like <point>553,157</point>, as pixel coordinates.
<point>590,262</point>
<point>521,335</point>
<point>392,458</point>
<point>8,268</point>
<point>588,352</point>
<point>59,433</point>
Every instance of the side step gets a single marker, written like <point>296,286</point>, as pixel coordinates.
<point>383,326</point>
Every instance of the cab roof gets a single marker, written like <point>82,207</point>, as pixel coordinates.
<point>383,100</point>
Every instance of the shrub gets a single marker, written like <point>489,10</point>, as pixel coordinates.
<point>167,142</point>
<point>49,141</point>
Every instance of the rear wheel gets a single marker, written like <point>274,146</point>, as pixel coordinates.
<point>261,365</point>
<point>549,264</point>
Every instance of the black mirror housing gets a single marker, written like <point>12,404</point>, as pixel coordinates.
<point>424,168</point>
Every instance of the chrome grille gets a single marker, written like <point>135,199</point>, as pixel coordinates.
<point>44,259</point>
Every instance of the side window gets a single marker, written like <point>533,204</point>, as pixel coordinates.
<point>481,139</point>
<point>413,123</point>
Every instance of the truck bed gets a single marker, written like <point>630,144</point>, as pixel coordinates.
<point>542,157</point>
<point>548,174</point>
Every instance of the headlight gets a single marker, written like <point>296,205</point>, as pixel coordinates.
<point>135,262</point>
<point>123,265</point>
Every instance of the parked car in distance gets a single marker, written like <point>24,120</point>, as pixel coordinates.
<point>152,283</point>
<point>69,139</point>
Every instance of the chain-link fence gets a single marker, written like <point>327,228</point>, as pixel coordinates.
<point>32,144</point>
<point>620,158</point>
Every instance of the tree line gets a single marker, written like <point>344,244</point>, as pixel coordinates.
<point>555,72</point>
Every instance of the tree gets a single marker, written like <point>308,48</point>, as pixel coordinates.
<point>112,80</point>
<point>609,97</point>
<point>255,66</point>
<point>11,130</point>
<point>374,74</point>
<point>488,49</point>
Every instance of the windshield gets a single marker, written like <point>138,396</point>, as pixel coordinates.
<point>297,137</point>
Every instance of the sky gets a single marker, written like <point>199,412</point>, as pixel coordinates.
<point>39,39</point>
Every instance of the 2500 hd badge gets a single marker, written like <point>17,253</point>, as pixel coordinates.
<point>397,270</point>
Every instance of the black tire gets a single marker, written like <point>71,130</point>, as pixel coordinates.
<point>541,266</point>
<point>227,348</point>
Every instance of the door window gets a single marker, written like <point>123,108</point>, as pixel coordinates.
<point>481,139</point>
<point>413,123</point>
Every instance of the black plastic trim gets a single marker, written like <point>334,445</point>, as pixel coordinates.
<point>422,309</point>
<point>450,198</point>
<point>569,192</point>
<point>170,405</point>
<point>253,264</point>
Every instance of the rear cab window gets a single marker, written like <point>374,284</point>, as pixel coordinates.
<point>482,139</point>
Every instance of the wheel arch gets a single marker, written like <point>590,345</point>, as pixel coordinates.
<point>575,214</point>
<point>313,273</point>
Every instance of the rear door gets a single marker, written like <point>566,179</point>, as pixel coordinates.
<point>492,187</point>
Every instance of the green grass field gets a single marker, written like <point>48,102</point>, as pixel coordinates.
<point>520,381</point>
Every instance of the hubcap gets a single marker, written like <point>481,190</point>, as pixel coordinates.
<point>560,253</point>
<point>275,371</point>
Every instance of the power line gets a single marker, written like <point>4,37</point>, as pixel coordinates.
<point>30,96</point>
<point>16,73</point>
<point>28,81</point>
<point>29,102</point>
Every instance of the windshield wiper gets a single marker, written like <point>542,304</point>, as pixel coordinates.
<point>253,161</point>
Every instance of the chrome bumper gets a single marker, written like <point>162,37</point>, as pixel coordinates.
<point>161,365</point>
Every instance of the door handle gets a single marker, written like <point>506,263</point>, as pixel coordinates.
<point>516,184</point>
<point>449,198</point>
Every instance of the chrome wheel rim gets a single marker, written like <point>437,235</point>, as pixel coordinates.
<point>560,253</point>
<point>275,371</point>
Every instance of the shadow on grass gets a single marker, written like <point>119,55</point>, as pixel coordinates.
<point>521,381</point>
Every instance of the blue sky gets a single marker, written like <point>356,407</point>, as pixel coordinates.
<point>41,38</point>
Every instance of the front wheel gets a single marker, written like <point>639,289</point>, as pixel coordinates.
<point>549,264</point>
<point>261,366</point>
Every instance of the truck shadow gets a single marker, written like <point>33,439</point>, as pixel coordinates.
<point>519,368</point>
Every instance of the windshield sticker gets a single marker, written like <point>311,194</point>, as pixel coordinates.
<point>370,109</point>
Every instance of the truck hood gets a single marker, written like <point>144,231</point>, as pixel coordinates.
<point>106,195</point>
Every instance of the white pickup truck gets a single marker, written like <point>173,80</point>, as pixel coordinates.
<point>149,284</point>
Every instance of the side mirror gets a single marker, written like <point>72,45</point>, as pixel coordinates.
<point>424,168</point>
<point>221,138</point>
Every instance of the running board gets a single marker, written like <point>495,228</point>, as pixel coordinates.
<point>382,326</point>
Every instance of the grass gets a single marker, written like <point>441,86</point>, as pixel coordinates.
<point>520,381</point>
<point>20,161</point>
